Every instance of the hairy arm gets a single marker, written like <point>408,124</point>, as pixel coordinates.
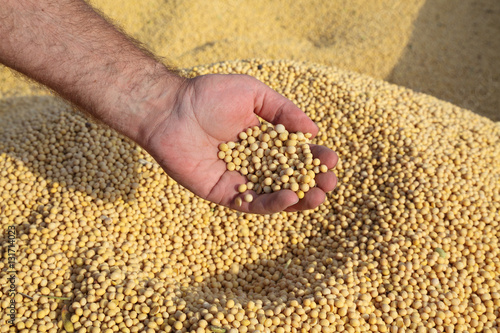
<point>67,46</point>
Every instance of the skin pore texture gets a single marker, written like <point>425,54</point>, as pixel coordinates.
<point>67,46</point>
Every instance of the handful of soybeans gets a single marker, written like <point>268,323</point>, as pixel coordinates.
<point>272,159</point>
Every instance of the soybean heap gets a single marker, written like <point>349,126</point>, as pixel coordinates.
<point>409,240</point>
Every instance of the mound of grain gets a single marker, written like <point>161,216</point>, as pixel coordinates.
<point>407,242</point>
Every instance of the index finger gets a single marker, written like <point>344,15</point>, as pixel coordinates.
<point>277,109</point>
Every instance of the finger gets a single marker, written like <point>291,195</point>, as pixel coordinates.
<point>266,203</point>
<point>313,198</point>
<point>326,181</point>
<point>327,156</point>
<point>277,109</point>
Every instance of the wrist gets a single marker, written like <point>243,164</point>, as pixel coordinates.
<point>141,99</point>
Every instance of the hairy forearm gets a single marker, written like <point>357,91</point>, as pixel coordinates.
<point>67,46</point>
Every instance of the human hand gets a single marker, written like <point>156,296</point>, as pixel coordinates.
<point>212,109</point>
<point>179,122</point>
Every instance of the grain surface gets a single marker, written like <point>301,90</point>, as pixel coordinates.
<point>409,240</point>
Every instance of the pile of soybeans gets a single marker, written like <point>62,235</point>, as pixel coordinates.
<point>408,242</point>
<point>271,158</point>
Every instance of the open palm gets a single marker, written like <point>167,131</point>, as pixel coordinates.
<point>212,109</point>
